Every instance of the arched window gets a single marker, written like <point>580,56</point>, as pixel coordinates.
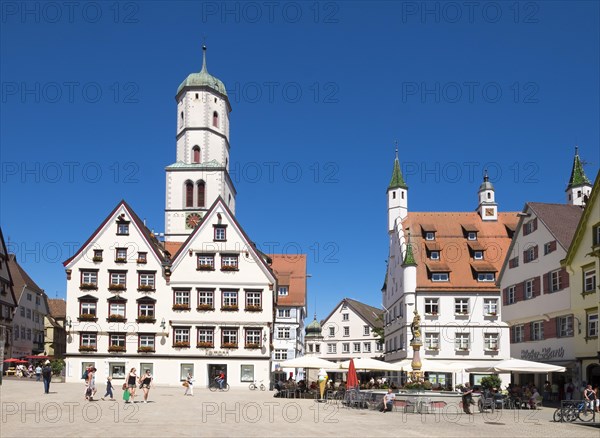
<point>189,194</point>
<point>201,191</point>
<point>216,119</point>
<point>196,154</point>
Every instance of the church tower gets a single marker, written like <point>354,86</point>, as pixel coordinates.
<point>579,187</point>
<point>487,209</point>
<point>397,196</point>
<point>201,172</point>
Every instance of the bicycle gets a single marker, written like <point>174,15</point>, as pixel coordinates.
<point>577,410</point>
<point>253,386</point>
<point>214,386</point>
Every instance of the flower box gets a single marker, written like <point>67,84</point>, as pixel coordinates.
<point>146,318</point>
<point>86,349</point>
<point>205,307</point>
<point>229,345</point>
<point>120,260</point>
<point>87,317</point>
<point>254,308</point>
<point>117,348</point>
<point>229,308</point>
<point>205,268</point>
<point>432,314</point>
<point>96,259</point>
<point>462,349</point>
<point>179,306</point>
<point>433,348</point>
<point>116,318</point>
<point>116,287</point>
<point>145,349</point>
<point>252,346</point>
<point>181,345</point>
<point>229,268</point>
<point>141,261</point>
<point>146,287</point>
<point>88,286</point>
<point>491,314</point>
<point>205,345</point>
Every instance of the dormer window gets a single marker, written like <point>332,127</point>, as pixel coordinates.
<point>434,255</point>
<point>440,276</point>
<point>486,276</point>
<point>478,255</point>
<point>472,235</point>
<point>429,235</point>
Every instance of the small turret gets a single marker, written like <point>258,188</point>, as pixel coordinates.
<point>397,196</point>
<point>487,209</point>
<point>579,186</point>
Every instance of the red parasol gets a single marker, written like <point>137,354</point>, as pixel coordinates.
<point>12,360</point>
<point>37,357</point>
<point>352,378</point>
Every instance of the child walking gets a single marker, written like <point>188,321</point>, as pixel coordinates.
<point>126,393</point>
<point>109,388</point>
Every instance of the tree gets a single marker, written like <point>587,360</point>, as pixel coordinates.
<point>489,382</point>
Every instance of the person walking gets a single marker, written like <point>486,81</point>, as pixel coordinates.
<point>589,396</point>
<point>47,376</point>
<point>38,373</point>
<point>91,385</point>
<point>145,382</point>
<point>109,388</point>
<point>132,379</point>
<point>189,389</point>
<point>467,397</point>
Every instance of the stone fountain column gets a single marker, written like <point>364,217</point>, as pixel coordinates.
<point>416,343</point>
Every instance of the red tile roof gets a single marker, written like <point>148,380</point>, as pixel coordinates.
<point>456,252</point>
<point>290,270</point>
<point>57,307</point>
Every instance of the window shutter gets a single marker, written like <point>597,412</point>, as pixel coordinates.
<point>564,278</point>
<point>547,283</point>
<point>535,252</point>
<point>505,295</point>
<point>550,328</point>
<point>525,260</point>
<point>519,292</point>
<point>534,224</point>
<point>536,286</point>
<point>553,245</point>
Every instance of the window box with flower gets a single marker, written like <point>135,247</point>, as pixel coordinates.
<point>146,319</point>
<point>205,345</point>
<point>87,348</point>
<point>88,286</point>
<point>87,317</point>
<point>116,318</point>
<point>205,307</point>
<point>433,348</point>
<point>205,268</point>
<point>253,308</point>
<point>146,288</point>
<point>229,345</point>
<point>97,258</point>
<point>145,349</point>
<point>491,314</point>
<point>462,349</point>
<point>229,307</point>
<point>117,349</point>
<point>181,344</point>
<point>229,268</point>
<point>121,260</point>
<point>181,306</point>
<point>116,287</point>
<point>252,346</point>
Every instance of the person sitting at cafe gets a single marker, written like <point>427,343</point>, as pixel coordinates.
<point>388,401</point>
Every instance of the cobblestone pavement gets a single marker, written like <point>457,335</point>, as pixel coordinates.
<point>26,411</point>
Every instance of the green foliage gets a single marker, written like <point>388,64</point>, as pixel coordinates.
<point>489,382</point>
<point>57,366</point>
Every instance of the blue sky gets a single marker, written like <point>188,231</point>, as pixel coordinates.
<point>320,92</point>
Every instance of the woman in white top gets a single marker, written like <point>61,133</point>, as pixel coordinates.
<point>189,389</point>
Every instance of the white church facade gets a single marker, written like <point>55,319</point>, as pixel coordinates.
<point>199,302</point>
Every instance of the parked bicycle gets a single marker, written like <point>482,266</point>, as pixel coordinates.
<point>253,386</point>
<point>214,386</point>
<point>573,411</point>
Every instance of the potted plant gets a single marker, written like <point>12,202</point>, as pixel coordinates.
<point>205,267</point>
<point>116,287</point>
<point>229,345</point>
<point>145,287</point>
<point>252,346</point>
<point>145,349</point>
<point>97,258</point>
<point>229,268</point>
<point>87,317</point>
<point>87,348</point>
<point>116,348</point>
<point>120,260</point>
<point>204,345</point>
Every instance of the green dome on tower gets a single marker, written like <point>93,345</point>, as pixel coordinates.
<point>313,329</point>
<point>203,79</point>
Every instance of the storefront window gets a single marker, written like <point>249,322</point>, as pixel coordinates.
<point>247,373</point>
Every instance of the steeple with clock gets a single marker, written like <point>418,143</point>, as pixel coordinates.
<point>201,172</point>
<point>487,209</point>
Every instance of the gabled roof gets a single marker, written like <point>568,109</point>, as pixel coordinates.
<point>591,208</point>
<point>290,270</point>
<point>57,307</point>
<point>152,241</point>
<point>455,256</point>
<point>21,278</point>
<point>560,219</point>
<point>219,202</point>
<point>371,315</point>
